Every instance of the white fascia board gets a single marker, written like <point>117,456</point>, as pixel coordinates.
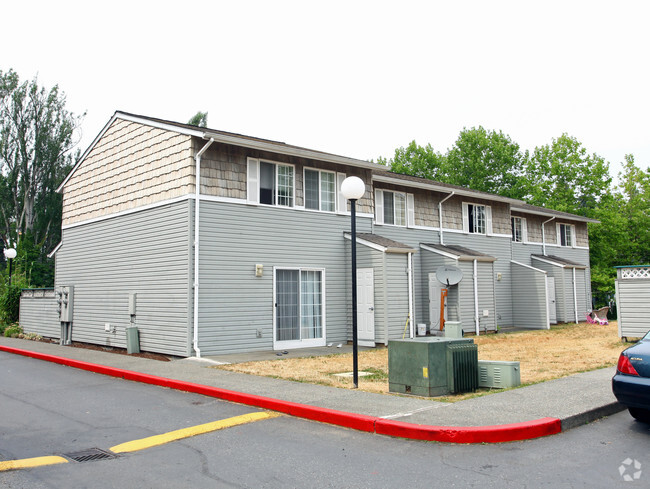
<point>439,252</point>
<point>439,188</point>
<point>528,266</point>
<point>130,211</point>
<point>160,125</point>
<point>290,150</point>
<point>571,217</point>
<point>383,249</point>
<point>85,153</point>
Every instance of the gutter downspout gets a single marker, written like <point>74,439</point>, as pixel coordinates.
<point>544,236</point>
<point>197,196</point>
<point>440,214</point>
<point>410,281</point>
<point>478,324</point>
<point>575,295</point>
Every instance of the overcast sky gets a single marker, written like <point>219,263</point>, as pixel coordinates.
<point>355,78</point>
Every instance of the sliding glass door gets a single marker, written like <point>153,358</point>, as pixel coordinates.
<point>299,308</point>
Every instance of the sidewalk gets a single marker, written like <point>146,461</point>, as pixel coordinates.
<point>517,414</point>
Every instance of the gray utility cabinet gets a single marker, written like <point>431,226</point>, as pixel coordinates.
<point>432,366</point>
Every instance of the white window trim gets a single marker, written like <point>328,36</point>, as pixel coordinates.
<point>409,208</point>
<point>573,234</point>
<point>312,342</point>
<point>341,201</point>
<point>337,189</point>
<point>253,182</point>
<point>524,229</point>
<point>488,218</point>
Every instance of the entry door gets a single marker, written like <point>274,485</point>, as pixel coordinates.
<point>552,308</point>
<point>366,306</point>
<point>434,302</point>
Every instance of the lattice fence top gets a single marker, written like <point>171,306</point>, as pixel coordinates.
<point>636,272</point>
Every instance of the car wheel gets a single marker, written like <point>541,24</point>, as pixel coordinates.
<point>640,414</point>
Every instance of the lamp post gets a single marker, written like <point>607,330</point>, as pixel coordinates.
<point>353,189</point>
<point>10,254</point>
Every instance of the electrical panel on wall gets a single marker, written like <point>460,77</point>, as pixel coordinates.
<point>65,300</point>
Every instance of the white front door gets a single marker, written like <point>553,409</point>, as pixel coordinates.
<point>365,307</point>
<point>552,309</point>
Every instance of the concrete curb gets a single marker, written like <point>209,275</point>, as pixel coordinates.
<point>370,424</point>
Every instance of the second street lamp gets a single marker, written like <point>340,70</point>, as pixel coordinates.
<point>10,254</point>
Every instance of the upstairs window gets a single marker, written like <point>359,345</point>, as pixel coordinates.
<point>320,190</point>
<point>518,229</point>
<point>394,208</point>
<point>270,183</point>
<point>566,234</point>
<point>477,218</point>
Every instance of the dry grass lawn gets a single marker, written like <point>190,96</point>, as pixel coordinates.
<point>543,355</point>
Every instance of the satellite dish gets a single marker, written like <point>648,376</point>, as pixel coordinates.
<point>449,275</point>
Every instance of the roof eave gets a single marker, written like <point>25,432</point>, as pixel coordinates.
<point>572,217</point>
<point>440,188</point>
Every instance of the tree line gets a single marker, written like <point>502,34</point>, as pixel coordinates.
<point>561,175</point>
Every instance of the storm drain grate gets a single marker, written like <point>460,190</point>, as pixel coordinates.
<point>90,455</point>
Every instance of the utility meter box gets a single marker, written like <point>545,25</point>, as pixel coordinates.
<point>65,301</point>
<point>453,329</point>
<point>432,366</point>
<point>499,374</point>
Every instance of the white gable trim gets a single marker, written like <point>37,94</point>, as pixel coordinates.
<point>528,266</point>
<point>439,252</point>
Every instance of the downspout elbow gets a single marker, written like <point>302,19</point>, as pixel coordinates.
<point>440,214</point>
<point>544,235</point>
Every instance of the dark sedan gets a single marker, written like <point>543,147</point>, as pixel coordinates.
<point>631,384</point>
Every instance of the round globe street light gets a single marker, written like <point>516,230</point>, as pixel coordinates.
<point>10,254</point>
<point>353,189</point>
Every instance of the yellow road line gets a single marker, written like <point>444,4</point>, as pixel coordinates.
<point>152,441</point>
<point>27,463</point>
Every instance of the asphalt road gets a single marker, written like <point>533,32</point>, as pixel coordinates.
<point>48,409</point>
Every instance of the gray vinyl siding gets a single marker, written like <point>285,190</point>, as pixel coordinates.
<point>413,238</point>
<point>498,247</point>
<point>561,290</point>
<point>233,303</point>
<point>521,252</point>
<point>429,263</point>
<point>496,296</point>
<point>633,307</point>
<point>584,305</point>
<point>529,297</point>
<point>397,288</point>
<point>147,253</point>
<point>39,313</point>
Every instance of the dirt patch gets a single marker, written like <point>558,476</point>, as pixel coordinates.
<point>118,351</point>
<point>543,355</point>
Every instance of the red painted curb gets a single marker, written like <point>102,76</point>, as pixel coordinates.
<point>371,424</point>
<point>471,434</point>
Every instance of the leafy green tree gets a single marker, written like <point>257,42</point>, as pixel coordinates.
<point>488,161</point>
<point>199,119</point>
<point>36,139</point>
<point>563,176</point>
<point>417,161</point>
<point>623,235</point>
